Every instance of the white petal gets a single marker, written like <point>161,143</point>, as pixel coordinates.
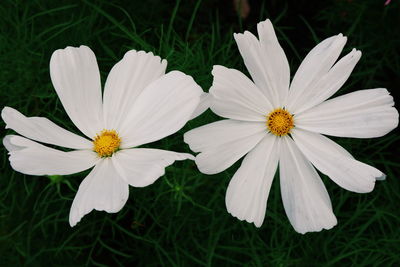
<point>32,158</point>
<point>127,79</point>
<point>331,159</point>
<point>7,143</point>
<point>235,96</point>
<point>218,133</point>
<point>314,66</point>
<point>329,84</point>
<point>76,78</point>
<point>162,109</point>
<point>205,102</point>
<point>247,193</point>
<point>102,189</point>
<point>214,159</point>
<point>276,66</point>
<point>304,196</point>
<point>141,167</point>
<point>362,114</point>
<point>266,62</point>
<point>42,130</point>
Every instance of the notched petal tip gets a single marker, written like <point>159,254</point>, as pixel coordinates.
<point>238,36</point>
<point>72,49</point>
<point>338,41</point>
<point>70,53</point>
<point>83,47</point>
<point>340,35</point>
<point>355,54</point>
<point>332,224</point>
<point>150,55</point>
<point>130,52</point>
<point>246,39</point>
<point>257,223</point>
<point>266,22</point>
<point>264,26</point>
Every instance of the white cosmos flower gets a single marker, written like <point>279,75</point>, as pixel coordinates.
<point>274,122</point>
<point>140,104</point>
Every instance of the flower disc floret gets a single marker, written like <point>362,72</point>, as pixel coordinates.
<point>280,122</point>
<point>106,143</point>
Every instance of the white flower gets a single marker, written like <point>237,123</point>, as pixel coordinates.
<point>141,104</point>
<point>277,123</point>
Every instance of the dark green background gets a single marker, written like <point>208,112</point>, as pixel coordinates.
<point>181,219</point>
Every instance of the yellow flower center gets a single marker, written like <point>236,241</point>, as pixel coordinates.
<point>280,122</point>
<point>106,143</point>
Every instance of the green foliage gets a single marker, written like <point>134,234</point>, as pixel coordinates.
<point>181,219</point>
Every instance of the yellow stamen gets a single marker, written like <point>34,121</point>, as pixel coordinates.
<point>106,143</point>
<point>280,122</point>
